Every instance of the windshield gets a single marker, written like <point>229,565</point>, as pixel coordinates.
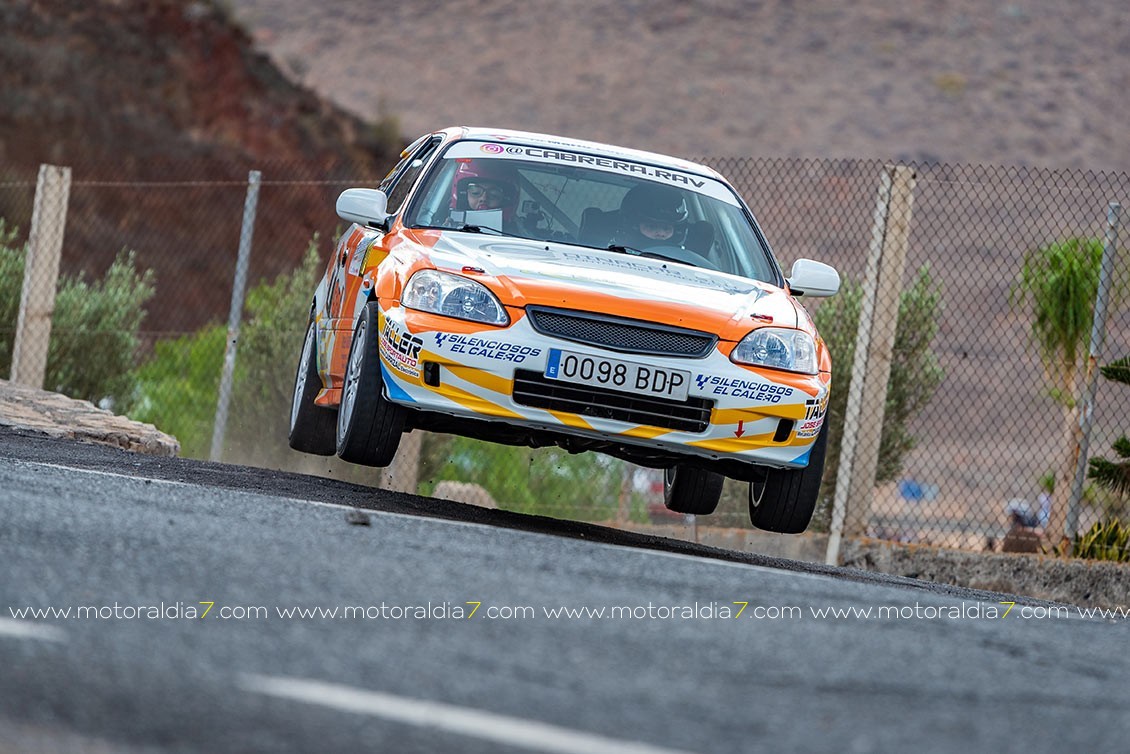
<point>567,197</point>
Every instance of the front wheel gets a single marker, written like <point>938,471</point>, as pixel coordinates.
<point>783,500</point>
<point>311,426</point>
<point>368,424</point>
<point>690,489</point>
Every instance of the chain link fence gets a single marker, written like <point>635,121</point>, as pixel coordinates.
<point>146,278</point>
<point>985,442</point>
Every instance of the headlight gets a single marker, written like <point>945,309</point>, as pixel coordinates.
<point>453,296</point>
<point>777,348</point>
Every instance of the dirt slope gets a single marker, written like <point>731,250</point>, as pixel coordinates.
<point>1039,82</point>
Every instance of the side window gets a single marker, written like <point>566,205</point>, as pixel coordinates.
<point>405,157</point>
<point>387,180</point>
<point>403,183</point>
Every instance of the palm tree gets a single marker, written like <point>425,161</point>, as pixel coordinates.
<point>1060,281</point>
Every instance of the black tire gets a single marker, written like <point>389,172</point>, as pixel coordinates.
<point>312,427</point>
<point>784,499</point>
<point>690,489</point>
<point>368,425</point>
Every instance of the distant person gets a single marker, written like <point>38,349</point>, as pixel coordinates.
<point>1024,534</point>
<point>1045,505</point>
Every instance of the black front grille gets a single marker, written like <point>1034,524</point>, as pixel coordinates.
<point>619,334</point>
<point>535,390</point>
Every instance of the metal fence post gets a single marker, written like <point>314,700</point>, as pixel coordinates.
<point>1098,335</point>
<point>240,283</point>
<point>871,369</point>
<point>41,275</point>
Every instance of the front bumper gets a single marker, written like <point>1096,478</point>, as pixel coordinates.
<point>733,413</point>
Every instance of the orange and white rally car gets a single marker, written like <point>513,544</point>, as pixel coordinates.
<point>538,290</point>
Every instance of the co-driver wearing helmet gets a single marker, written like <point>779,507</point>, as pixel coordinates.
<point>652,215</point>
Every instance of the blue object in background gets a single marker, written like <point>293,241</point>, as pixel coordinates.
<point>911,491</point>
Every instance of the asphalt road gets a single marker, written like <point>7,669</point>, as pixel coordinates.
<point>120,534</point>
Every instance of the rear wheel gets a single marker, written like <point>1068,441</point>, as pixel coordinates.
<point>368,424</point>
<point>783,500</point>
<point>690,489</point>
<point>311,426</point>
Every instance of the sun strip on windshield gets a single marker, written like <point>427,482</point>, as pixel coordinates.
<point>697,183</point>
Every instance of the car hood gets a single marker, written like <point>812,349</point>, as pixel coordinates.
<point>527,273</point>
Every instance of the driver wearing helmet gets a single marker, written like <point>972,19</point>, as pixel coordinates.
<point>652,215</point>
<point>483,185</point>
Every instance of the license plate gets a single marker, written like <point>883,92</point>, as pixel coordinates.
<point>614,374</point>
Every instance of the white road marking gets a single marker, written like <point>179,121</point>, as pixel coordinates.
<point>510,731</point>
<point>23,629</point>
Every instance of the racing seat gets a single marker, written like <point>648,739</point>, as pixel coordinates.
<point>700,237</point>
<point>597,227</point>
<point>700,240</point>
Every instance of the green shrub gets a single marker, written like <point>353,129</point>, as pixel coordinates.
<point>177,388</point>
<point>94,336</point>
<point>11,285</point>
<point>1114,476</point>
<point>270,341</point>
<point>542,481</point>
<point>94,332</point>
<point>915,375</point>
<point>1108,540</point>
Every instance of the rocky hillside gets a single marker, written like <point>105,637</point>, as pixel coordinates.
<point>146,79</point>
<point>167,92</point>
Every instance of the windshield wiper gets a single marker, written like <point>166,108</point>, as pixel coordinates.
<point>468,228</point>
<point>633,251</point>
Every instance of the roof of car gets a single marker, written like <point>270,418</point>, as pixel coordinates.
<point>593,147</point>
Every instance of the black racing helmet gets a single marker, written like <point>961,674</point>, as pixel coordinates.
<point>654,202</point>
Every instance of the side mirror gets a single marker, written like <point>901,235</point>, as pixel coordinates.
<point>814,279</point>
<point>364,206</point>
